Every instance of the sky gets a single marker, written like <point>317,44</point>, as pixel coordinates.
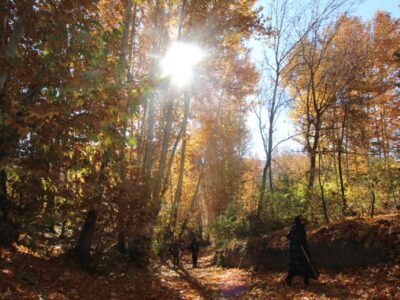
<point>366,10</point>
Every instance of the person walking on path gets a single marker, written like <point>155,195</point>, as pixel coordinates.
<point>175,250</point>
<point>194,249</point>
<point>298,249</point>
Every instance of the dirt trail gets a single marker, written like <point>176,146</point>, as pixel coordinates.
<point>211,282</point>
<point>206,281</point>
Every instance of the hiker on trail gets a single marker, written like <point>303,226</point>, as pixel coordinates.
<point>194,249</point>
<point>298,249</point>
<point>175,250</point>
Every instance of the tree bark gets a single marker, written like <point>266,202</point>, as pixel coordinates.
<point>194,197</point>
<point>124,40</point>
<point>340,168</point>
<point>261,205</point>
<point>148,154</point>
<point>121,242</point>
<point>178,192</point>
<point>321,186</point>
<point>82,249</point>
<point>372,203</point>
<point>4,205</point>
<point>10,49</point>
<point>163,158</point>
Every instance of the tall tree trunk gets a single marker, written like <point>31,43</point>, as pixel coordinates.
<point>269,147</point>
<point>123,53</point>
<point>340,164</point>
<point>82,249</point>
<point>121,242</point>
<point>4,205</point>
<point>313,151</point>
<point>166,135</point>
<point>148,153</point>
<point>317,124</point>
<point>193,200</point>
<point>10,49</point>
<point>133,37</point>
<point>178,192</point>
<point>163,158</point>
<point>124,76</point>
<point>261,204</point>
<point>342,187</point>
<point>170,161</point>
<point>8,229</point>
<point>321,187</point>
<point>272,121</point>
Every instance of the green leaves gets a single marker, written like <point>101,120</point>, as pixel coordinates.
<point>132,142</point>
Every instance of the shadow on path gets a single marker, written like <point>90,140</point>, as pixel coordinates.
<point>194,283</point>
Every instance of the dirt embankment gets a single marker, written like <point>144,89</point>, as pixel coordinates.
<point>349,243</point>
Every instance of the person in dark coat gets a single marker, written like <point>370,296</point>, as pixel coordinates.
<point>194,249</point>
<point>298,264</point>
<point>175,250</point>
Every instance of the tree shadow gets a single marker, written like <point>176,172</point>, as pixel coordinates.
<point>194,284</point>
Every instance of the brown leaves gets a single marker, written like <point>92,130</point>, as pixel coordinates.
<point>24,276</point>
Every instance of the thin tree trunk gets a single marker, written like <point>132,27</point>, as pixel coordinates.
<point>4,205</point>
<point>372,203</point>
<point>121,242</point>
<point>170,161</point>
<point>124,76</point>
<point>342,188</point>
<point>340,168</point>
<point>261,206</point>
<point>124,40</point>
<point>178,192</point>
<point>148,154</point>
<point>321,186</point>
<point>163,158</point>
<point>10,49</point>
<point>194,197</point>
<point>272,121</point>
<point>133,37</point>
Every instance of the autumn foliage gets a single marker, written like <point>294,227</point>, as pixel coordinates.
<point>105,157</point>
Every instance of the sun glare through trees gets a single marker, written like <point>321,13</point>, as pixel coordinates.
<point>144,152</point>
<point>179,62</point>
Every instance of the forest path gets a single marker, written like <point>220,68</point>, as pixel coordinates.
<point>206,281</point>
<point>211,282</point>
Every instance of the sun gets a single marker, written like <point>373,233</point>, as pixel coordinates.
<point>179,61</point>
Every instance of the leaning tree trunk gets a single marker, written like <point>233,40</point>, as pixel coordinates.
<point>193,200</point>
<point>177,198</point>
<point>340,163</point>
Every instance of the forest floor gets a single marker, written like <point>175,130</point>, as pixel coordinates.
<point>30,277</point>
<point>211,282</point>
<point>25,274</point>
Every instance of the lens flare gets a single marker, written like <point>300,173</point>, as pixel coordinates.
<point>179,61</point>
